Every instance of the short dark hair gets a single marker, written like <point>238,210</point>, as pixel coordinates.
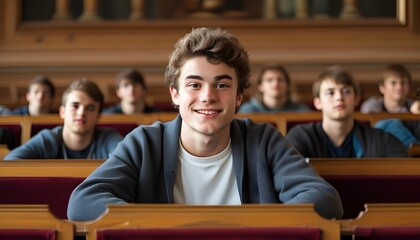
<point>44,81</point>
<point>135,76</point>
<point>339,75</point>
<point>396,70</point>
<point>87,86</point>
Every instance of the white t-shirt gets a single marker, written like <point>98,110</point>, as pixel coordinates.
<point>206,180</point>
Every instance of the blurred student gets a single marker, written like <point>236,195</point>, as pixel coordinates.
<point>204,156</point>
<point>273,93</point>
<point>339,135</point>
<point>394,87</point>
<point>408,132</point>
<point>78,138</point>
<point>131,90</point>
<point>40,97</point>
<point>4,110</point>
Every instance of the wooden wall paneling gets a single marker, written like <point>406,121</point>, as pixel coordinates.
<point>69,50</point>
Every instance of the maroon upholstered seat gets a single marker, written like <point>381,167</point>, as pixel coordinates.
<point>15,131</point>
<point>54,191</point>
<point>27,234</point>
<point>37,127</point>
<point>387,233</point>
<point>245,233</point>
<point>122,128</point>
<point>356,190</point>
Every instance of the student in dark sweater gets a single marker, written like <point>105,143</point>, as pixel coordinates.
<point>339,135</point>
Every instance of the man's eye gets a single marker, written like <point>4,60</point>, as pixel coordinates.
<point>193,85</point>
<point>222,85</point>
<point>347,91</point>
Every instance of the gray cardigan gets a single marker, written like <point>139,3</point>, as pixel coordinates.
<point>142,169</point>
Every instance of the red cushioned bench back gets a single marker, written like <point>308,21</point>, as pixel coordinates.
<point>54,191</point>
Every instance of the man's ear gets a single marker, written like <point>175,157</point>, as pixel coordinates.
<point>239,99</point>
<point>28,96</point>
<point>174,96</point>
<point>117,92</point>
<point>381,89</point>
<point>317,103</point>
<point>61,111</point>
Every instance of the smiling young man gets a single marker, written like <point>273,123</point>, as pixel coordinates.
<point>204,156</point>
<point>339,135</point>
<point>78,137</point>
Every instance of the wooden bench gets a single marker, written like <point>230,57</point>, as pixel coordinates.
<point>169,216</point>
<point>43,181</point>
<point>366,166</point>
<point>414,150</point>
<point>24,127</point>
<point>15,124</point>
<point>371,180</point>
<point>120,122</point>
<point>49,167</point>
<point>285,121</point>
<point>32,222</point>
<point>4,150</point>
<point>384,216</point>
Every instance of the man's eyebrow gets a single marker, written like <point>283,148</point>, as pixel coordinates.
<point>224,76</point>
<point>194,77</point>
<point>216,78</point>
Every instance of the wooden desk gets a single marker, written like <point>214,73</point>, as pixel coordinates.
<point>34,217</point>
<point>384,215</point>
<point>48,168</point>
<point>366,166</point>
<point>181,216</point>
<point>414,150</point>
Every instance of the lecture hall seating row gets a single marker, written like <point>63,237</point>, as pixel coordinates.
<point>24,127</point>
<point>250,221</point>
<point>358,181</point>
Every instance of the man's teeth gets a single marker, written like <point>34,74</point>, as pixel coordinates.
<point>207,112</point>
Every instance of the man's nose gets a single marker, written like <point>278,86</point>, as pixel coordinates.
<point>81,110</point>
<point>339,95</point>
<point>207,94</point>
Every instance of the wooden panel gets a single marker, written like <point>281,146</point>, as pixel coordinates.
<point>49,167</point>
<point>366,166</point>
<point>179,216</point>
<point>282,121</point>
<point>34,217</point>
<point>384,215</point>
